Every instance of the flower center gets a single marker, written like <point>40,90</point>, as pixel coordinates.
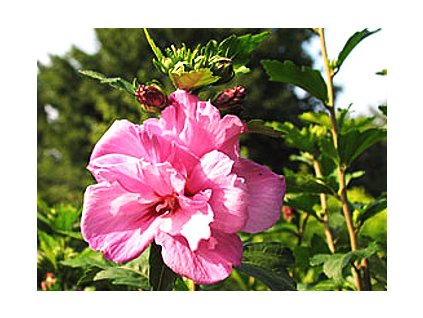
<point>166,205</point>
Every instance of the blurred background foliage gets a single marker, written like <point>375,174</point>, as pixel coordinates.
<point>73,112</point>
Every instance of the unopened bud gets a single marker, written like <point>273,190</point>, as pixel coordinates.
<point>287,212</point>
<point>151,98</point>
<point>231,98</point>
<point>224,69</point>
<point>48,282</point>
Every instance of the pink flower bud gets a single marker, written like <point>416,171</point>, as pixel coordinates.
<point>151,98</point>
<point>231,98</point>
<point>287,212</point>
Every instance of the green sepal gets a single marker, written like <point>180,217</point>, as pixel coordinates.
<point>192,80</point>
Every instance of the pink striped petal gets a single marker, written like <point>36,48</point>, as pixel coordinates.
<point>210,263</point>
<point>229,193</point>
<point>116,223</point>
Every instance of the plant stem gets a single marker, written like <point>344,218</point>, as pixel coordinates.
<point>341,169</point>
<point>324,204</point>
<point>301,229</point>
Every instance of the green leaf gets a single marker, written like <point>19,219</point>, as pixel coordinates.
<point>193,79</point>
<point>274,279</point>
<point>383,109</point>
<point>372,209</point>
<point>302,139</point>
<point>321,118</point>
<point>239,49</point>
<point>352,42</point>
<point>302,256</point>
<point>50,246</point>
<point>382,72</point>
<point>181,285</point>
<point>334,264</point>
<point>267,254</point>
<point>259,126</point>
<point>123,276</point>
<point>319,259</point>
<point>303,201</point>
<point>354,143</point>
<point>296,183</point>
<point>305,77</point>
<point>66,216</point>
<point>115,82</point>
<point>83,262</point>
<point>161,276</point>
<point>268,261</point>
<point>354,175</point>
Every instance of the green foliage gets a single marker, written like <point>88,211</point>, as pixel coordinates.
<point>261,127</point>
<point>355,142</point>
<point>334,265</point>
<point>123,276</point>
<point>239,49</point>
<point>304,77</point>
<point>297,183</point>
<point>268,262</point>
<point>369,210</point>
<point>352,42</point>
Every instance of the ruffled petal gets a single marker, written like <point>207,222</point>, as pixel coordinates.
<point>210,263</point>
<point>197,125</point>
<point>266,191</point>
<point>116,223</point>
<point>163,178</point>
<point>121,168</point>
<point>212,169</point>
<point>192,219</point>
<point>229,193</point>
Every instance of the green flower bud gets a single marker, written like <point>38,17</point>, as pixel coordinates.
<point>224,69</point>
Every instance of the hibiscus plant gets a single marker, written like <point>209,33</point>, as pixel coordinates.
<point>177,206</point>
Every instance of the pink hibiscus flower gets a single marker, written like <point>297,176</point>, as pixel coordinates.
<point>179,181</point>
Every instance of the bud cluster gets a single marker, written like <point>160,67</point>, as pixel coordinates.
<point>190,69</point>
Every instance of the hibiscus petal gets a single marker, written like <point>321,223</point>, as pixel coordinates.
<point>116,223</point>
<point>266,191</point>
<point>163,178</point>
<point>197,125</point>
<point>192,219</point>
<point>121,138</point>
<point>229,205</point>
<point>121,168</point>
<point>210,263</point>
<point>229,193</point>
<point>212,169</point>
